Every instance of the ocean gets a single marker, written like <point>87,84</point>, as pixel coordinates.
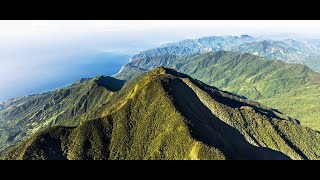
<point>65,72</point>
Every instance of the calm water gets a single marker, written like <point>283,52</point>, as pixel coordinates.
<point>63,73</point>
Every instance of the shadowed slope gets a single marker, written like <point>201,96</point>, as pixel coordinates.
<point>207,128</point>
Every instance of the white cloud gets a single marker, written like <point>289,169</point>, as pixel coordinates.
<point>38,28</point>
<point>19,35</point>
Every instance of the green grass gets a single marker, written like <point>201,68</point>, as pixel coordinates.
<point>300,103</point>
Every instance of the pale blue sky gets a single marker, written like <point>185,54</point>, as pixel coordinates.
<point>35,53</point>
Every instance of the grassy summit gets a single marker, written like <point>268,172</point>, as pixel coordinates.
<point>164,114</point>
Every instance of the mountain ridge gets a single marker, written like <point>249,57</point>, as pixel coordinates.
<point>247,75</point>
<point>288,50</point>
<point>207,98</point>
<point>200,124</point>
<point>195,46</point>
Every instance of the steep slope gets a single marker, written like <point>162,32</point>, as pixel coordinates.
<point>288,50</point>
<point>22,117</point>
<point>302,103</point>
<point>271,50</point>
<point>164,114</point>
<point>295,88</point>
<point>257,76</point>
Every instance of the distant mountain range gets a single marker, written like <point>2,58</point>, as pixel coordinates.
<point>288,50</point>
<point>196,46</point>
<point>164,114</point>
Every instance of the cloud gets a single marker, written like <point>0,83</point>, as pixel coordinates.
<point>51,30</point>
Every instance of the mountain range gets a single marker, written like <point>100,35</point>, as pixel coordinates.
<point>164,114</point>
<point>291,88</point>
<point>196,46</point>
<point>230,97</point>
<point>288,50</point>
<point>302,89</point>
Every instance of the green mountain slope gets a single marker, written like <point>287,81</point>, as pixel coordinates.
<point>290,88</point>
<point>312,62</point>
<point>22,117</point>
<point>302,103</point>
<point>164,114</point>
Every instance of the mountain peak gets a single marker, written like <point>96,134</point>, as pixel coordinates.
<point>165,70</point>
<point>110,83</point>
<point>163,116</point>
<point>160,70</point>
<point>168,71</point>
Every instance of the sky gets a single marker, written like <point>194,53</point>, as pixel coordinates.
<point>37,56</point>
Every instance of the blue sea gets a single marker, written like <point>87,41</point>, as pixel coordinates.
<point>65,72</point>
